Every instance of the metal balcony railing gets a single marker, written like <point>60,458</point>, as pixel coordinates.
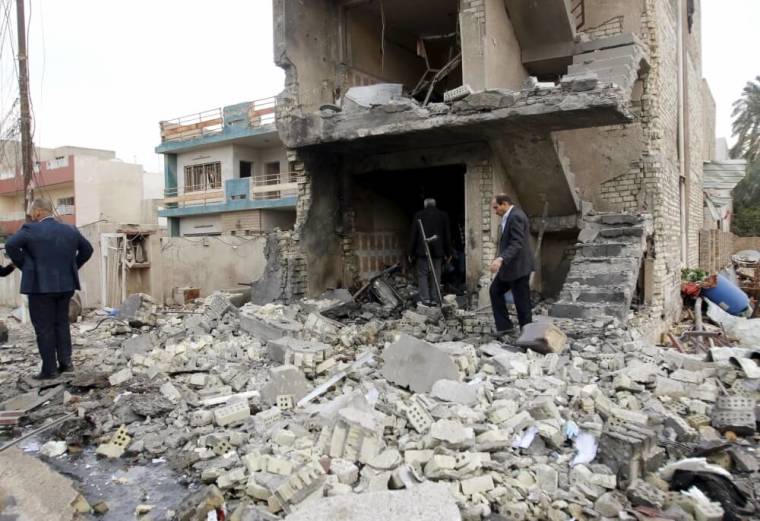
<point>211,122</point>
<point>258,188</point>
<point>275,186</point>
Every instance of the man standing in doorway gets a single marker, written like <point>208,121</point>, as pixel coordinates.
<point>436,225</point>
<point>49,255</point>
<point>513,265</point>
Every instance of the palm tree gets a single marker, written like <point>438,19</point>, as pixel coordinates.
<point>747,123</point>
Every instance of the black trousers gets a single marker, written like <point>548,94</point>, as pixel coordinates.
<point>425,281</point>
<point>521,294</point>
<point>50,317</point>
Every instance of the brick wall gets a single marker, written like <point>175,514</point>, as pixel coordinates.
<point>660,168</point>
<point>611,27</point>
<point>696,146</point>
<point>716,248</point>
<point>746,243</point>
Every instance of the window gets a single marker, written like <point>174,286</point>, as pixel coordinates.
<point>66,201</point>
<point>207,176</point>
<point>245,169</point>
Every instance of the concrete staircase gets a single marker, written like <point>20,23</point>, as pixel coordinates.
<point>617,60</point>
<point>604,273</point>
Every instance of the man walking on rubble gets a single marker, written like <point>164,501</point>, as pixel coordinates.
<point>513,266</point>
<point>49,255</point>
<point>437,230</point>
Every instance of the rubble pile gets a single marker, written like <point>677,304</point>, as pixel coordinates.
<point>280,411</point>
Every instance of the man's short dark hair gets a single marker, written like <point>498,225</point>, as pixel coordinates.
<point>503,198</point>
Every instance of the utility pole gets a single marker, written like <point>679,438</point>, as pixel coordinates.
<point>26,118</point>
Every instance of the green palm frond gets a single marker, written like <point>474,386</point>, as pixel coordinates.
<point>746,125</point>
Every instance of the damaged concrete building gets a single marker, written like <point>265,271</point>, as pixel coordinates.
<point>593,114</point>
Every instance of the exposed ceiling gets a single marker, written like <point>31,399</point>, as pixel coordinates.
<point>416,17</point>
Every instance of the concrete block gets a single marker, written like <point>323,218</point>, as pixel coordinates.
<point>415,364</point>
<point>418,416</point>
<point>425,502</point>
<point>230,478</point>
<point>667,387</point>
<point>456,392</point>
<point>286,379</point>
<point>284,437</point>
<point>477,485</point>
<point>452,433</point>
<point>170,392</point>
<point>285,401</point>
<point>346,472</point>
<point>304,482</point>
<point>270,329</point>
<point>265,419</point>
<point>279,466</point>
<point>233,413</point>
<point>418,456</point>
<point>547,479</point>
<point>120,377</point>
<point>197,380</point>
<point>253,462</point>
<point>201,418</point>
<point>609,505</point>
<point>543,337</point>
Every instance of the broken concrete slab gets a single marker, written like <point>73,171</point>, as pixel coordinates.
<point>270,329</point>
<point>425,502</point>
<point>416,364</point>
<point>201,505</point>
<point>456,392</point>
<point>30,490</point>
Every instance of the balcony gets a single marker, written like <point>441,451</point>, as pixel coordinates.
<point>264,187</point>
<point>230,121</point>
<point>48,173</point>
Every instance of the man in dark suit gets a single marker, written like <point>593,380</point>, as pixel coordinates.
<point>513,265</point>
<point>49,255</point>
<point>436,224</point>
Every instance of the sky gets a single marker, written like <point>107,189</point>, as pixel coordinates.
<point>104,72</point>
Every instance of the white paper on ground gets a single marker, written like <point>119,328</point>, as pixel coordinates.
<point>586,446</point>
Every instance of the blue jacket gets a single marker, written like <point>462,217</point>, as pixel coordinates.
<point>49,255</point>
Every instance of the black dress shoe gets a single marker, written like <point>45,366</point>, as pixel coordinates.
<point>45,376</point>
<point>66,368</point>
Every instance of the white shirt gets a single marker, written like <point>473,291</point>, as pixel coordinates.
<point>503,225</point>
<point>504,219</point>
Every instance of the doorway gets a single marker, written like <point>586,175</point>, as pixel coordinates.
<point>245,169</point>
<point>385,203</point>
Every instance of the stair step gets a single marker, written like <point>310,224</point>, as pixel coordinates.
<point>598,295</point>
<point>612,279</point>
<point>630,231</point>
<point>586,310</point>
<point>607,249</point>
